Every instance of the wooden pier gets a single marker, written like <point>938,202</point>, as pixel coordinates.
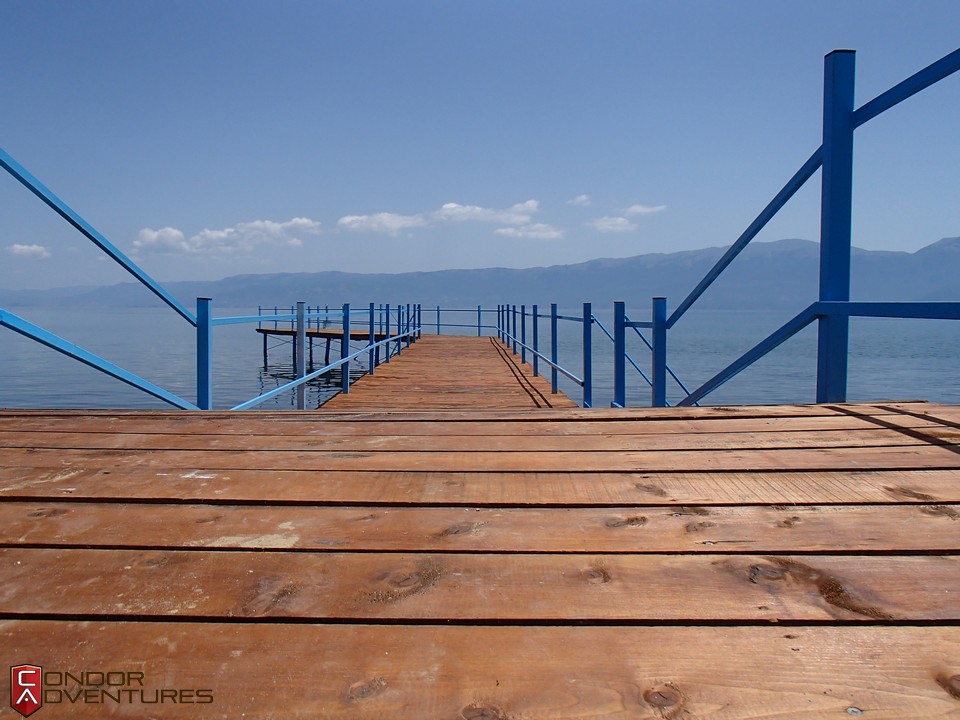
<point>410,551</point>
<point>328,335</point>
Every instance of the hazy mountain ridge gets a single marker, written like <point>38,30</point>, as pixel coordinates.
<point>766,275</point>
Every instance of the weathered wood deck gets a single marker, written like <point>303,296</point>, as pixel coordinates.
<point>748,562</point>
<point>451,373</point>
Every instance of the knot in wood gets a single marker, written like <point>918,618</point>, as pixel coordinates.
<point>950,683</point>
<point>482,712</point>
<point>596,575</point>
<point>663,696</point>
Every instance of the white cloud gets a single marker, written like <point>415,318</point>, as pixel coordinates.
<point>241,238</point>
<point>643,209</point>
<point>581,201</point>
<point>389,223</point>
<point>29,251</point>
<point>537,231</point>
<point>518,214</point>
<point>613,224</point>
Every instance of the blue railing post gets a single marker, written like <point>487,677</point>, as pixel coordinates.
<point>438,319</point>
<point>553,348</point>
<point>386,347</point>
<point>836,199</point>
<point>372,361</point>
<point>345,350</point>
<point>479,320</point>
<point>536,342</point>
<point>587,355</point>
<point>301,355</point>
<point>419,321</point>
<point>409,324</point>
<point>658,373</point>
<point>523,333</point>
<point>204,354</point>
<point>514,333</point>
<point>619,355</point>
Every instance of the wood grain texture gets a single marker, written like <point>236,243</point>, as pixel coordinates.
<point>455,559</point>
<point>635,529</point>
<point>272,671</point>
<point>494,587</point>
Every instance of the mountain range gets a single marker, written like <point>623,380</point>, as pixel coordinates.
<point>768,275</point>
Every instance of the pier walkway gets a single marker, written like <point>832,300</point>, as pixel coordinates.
<point>425,562</point>
<point>451,373</point>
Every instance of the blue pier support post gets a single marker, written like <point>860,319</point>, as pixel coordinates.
<point>836,200</point>
<point>409,318</point>
<point>619,355</point>
<point>345,350</point>
<point>301,355</point>
<point>205,354</point>
<point>587,355</point>
<point>479,320</point>
<point>372,357</point>
<point>387,346</point>
<point>523,333</point>
<point>553,349</point>
<point>536,341</point>
<point>658,375</point>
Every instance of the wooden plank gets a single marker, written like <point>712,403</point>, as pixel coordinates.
<point>355,671</point>
<point>521,443</point>
<point>450,373</point>
<point>272,424</point>
<point>516,587</point>
<point>804,459</point>
<point>690,529</point>
<point>99,478</point>
<point>930,411</point>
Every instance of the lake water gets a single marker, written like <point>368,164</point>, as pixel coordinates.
<point>889,359</point>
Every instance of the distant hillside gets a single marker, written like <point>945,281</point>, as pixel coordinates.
<point>767,275</point>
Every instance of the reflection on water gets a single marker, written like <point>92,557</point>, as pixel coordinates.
<point>318,391</point>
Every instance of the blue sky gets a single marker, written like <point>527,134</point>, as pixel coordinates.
<point>209,139</point>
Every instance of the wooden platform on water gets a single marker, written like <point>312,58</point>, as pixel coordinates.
<point>744,562</point>
<point>334,333</point>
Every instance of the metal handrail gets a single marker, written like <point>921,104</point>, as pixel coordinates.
<point>835,158</point>
<point>26,328</point>
<point>293,384</point>
<point>548,361</point>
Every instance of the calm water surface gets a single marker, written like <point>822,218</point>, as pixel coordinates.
<point>889,360</point>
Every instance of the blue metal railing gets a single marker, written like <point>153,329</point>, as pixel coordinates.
<point>512,326</point>
<point>834,308</point>
<point>512,331</point>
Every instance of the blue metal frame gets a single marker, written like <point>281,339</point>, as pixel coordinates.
<point>834,308</point>
<point>55,342</point>
<point>85,228</point>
